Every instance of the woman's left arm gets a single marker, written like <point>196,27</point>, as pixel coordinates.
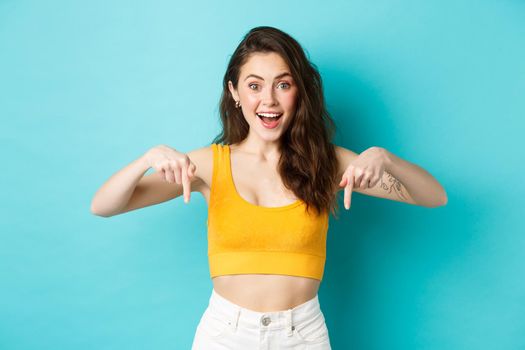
<point>421,185</point>
<point>380,173</point>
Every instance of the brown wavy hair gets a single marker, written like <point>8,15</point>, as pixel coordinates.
<point>308,163</point>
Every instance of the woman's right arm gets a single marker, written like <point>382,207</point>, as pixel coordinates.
<point>129,189</point>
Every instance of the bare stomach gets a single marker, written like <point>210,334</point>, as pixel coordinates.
<point>266,293</point>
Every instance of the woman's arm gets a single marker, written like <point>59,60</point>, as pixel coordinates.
<point>379,173</point>
<point>115,193</point>
<point>175,175</point>
<point>422,187</point>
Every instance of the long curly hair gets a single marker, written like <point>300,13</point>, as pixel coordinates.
<point>308,164</point>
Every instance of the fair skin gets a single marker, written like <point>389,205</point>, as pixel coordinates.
<point>374,172</point>
<point>265,85</point>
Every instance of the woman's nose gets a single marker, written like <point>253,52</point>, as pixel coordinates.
<point>268,96</point>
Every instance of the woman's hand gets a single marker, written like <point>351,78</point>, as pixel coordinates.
<point>363,172</point>
<point>172,164</point>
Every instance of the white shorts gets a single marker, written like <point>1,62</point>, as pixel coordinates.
<point>227,326</point>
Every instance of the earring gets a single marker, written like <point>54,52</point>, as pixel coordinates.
<point>237,104</point>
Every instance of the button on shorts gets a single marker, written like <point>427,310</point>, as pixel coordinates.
<point>228,326</point>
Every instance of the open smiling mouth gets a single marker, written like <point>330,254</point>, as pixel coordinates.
<point>269,121</point>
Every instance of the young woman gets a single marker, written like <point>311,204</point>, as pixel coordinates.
<point>270,180</point>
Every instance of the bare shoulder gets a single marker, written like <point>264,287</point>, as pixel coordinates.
<point>203,160</point>
<point>344,157</point>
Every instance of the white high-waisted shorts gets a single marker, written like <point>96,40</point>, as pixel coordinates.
<point>227,326</point>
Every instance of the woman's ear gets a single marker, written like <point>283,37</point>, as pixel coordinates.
<point>234,93</point>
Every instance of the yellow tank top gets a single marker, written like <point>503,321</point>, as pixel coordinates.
<point>244,238</point>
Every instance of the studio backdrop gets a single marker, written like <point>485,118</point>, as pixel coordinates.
<point>88,87</point>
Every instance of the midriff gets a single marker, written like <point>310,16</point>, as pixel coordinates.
<point>266,292</point>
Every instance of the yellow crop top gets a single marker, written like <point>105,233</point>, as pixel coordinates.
<point>244,238</point>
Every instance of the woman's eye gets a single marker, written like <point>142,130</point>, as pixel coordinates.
<point>253,86</point>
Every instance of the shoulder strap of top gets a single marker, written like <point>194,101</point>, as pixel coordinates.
<point>220,183</point>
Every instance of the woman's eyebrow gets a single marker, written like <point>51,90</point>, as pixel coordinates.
<point>277,77</point>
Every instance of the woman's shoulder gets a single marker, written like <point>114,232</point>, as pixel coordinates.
<point>344,157</point>
<point>203,159</point>
<point>344,153</point>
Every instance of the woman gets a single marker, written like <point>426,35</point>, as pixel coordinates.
<point>270,180</point>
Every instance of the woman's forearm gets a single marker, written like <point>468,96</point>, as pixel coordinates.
<point>420,184</point>
<point>115,193</point>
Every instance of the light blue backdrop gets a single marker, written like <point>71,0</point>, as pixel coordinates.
<point>87,87</point>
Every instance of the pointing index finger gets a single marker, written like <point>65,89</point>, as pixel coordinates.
<point>186,184</point>
<point>348,189</point>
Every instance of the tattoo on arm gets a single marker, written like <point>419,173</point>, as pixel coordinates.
<point>393,185</point>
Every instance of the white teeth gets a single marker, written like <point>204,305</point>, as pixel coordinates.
<point>269,115</point>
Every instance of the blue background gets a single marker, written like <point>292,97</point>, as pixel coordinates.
<point>87,87</point>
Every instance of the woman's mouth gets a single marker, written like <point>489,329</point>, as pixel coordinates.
<point>269,120</point>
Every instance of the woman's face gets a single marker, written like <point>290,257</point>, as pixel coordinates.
<point>266,86</point>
